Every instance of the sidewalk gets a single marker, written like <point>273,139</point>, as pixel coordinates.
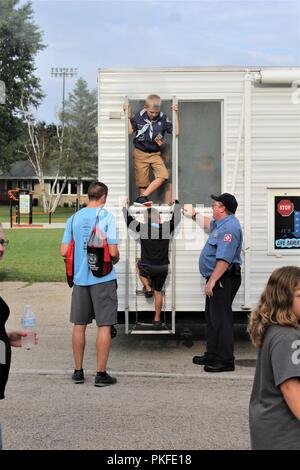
<point>35,225</point>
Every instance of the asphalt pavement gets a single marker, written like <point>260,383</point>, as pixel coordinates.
<point>161,400</point>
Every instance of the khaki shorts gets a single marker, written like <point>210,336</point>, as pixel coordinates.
<point>142,163</point>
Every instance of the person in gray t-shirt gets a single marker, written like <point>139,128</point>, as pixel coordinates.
<point>274,327</point>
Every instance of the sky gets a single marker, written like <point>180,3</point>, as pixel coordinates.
<point>88,34</point>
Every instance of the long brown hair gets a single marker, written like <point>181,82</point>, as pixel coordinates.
<point>275,305</point>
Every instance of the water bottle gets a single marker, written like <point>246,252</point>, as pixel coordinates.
<point>28,326</point>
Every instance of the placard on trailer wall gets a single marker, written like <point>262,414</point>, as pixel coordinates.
<point>284,221</point>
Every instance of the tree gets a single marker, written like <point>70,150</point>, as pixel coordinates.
<point>20,41</point>
<point>40,145</point>
<point>80,118</point>
<point>45,151</point>
<point>66,150</point>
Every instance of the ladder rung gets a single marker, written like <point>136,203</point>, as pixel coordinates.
<point>161,209</point>
<point>151,332</point>
<point>149,328</point>
<point>144,324</point>
<point>141,293</point>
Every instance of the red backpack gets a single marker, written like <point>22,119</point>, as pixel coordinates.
<point>99,259</point>
<point>69,259</point>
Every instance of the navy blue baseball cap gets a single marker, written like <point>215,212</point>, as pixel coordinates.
<point>228,200</point>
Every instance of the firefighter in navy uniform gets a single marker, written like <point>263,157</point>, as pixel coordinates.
<point>220,264</point>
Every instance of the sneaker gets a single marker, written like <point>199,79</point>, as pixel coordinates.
<point>104,381</point>
<point>147,293</point>
<point>78,376</point>
<point>156,322</point>
<point>141,201</point>
<point>113,331</point>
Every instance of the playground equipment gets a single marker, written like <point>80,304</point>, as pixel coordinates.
<point>21,199</point>
<point>21,205</point>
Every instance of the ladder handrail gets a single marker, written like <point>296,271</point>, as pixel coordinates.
<point>175,194</point>
<point>127,248</point>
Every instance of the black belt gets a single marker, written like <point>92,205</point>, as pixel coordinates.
<point>234,269</point>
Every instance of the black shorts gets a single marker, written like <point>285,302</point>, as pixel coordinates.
<point>157,274</point>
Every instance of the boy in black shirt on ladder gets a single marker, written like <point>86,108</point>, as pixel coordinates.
<point>155,239</point>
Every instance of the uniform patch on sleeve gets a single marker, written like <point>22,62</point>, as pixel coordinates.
<point>227,237</point>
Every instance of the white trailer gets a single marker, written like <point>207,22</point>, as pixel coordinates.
<point>239,133</point>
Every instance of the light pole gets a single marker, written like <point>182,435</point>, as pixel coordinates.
<point>63,72</point>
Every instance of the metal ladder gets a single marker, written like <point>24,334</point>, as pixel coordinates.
<point>143,327</point>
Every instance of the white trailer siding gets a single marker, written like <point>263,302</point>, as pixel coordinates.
<point>275,161</point>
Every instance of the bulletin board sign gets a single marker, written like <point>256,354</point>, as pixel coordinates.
<point>284,217</point>
<point>24,203</point>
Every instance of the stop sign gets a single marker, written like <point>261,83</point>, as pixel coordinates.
<point>285,207</point>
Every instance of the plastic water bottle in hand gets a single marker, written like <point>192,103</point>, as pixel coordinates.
<point>28,326</point>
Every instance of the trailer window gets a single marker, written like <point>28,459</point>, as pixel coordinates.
<point>199,151</point>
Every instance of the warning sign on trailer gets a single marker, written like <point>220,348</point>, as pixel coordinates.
<point>287,223</point>
<point>285,207</point>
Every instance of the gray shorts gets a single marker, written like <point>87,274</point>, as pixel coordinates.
<point>99,302</point>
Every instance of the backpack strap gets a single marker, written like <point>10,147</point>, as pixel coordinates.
<point>72,231</point>
<point>97,229</point>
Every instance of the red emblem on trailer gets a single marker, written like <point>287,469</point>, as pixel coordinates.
<point>285,207</point>
<point>227,237</point>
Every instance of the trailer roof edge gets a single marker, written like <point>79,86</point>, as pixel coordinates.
<point>194,69</point>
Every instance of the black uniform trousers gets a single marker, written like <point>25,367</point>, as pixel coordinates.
<point>219,318</point>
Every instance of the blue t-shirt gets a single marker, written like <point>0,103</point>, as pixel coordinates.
<point>83,223</point>
<point>224,243</point>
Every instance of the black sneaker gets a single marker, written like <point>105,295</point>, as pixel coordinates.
<point>104,381</point>
<point>141,201</point>
<point>78,376</point>
<point>113,331</point>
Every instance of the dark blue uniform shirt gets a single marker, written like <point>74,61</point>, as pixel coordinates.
<point>224,243</point>
<point>146,130</point>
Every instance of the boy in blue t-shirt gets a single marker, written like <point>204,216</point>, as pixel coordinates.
<point>92,297</point>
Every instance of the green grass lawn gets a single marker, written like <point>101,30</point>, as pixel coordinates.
<point>33,256</point>
<point>61,215</point>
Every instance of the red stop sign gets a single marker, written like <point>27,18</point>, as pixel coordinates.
<point>285,207</point>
